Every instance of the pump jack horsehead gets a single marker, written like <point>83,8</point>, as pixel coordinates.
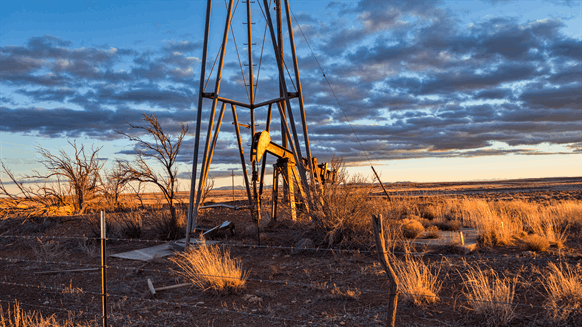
<point>290,163</point>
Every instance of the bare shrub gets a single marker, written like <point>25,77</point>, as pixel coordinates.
<point>48,250</point>
<point>81,172</point>
<point>129,224</point>
<point>211,268</point>
<point>166,227</point>
<point>564,288</point>
<point>163,150</point>
<point>419,285</point>
<point>113,184</point>
<point>346,208</point>
<point>490,296</point>
<point>535,242</point>
<point>36,200</point>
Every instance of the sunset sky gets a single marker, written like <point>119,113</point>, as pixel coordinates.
<point>434,90</point>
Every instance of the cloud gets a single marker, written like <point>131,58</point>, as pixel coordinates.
<point>412,80</point>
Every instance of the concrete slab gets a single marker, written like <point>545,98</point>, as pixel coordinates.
<point>158,251</point>
<point>470,236</point>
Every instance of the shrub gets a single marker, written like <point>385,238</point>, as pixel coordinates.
<point>411,228</point>
<point>130,224</point>
<point>432,232</point>
<point>490,296</point>
<point>210,268</point>
<point>49,250</point>
<point>535,242</point>
<point>418,284</point>
<point>343,213</point>
<point>168,227</point>
<point>564,287</point>
<point>449,225</point>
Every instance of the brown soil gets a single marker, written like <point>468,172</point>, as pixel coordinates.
<point>288,288</point>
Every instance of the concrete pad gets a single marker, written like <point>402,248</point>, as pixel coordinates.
<point>158,251</point>
<point>470,236</point>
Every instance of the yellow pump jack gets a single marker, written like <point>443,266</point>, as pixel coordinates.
<point>286,167</point>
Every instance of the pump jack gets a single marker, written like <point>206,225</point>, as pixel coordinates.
<point>290,162</point>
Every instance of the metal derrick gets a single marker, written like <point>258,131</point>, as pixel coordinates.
<point>290,163</point>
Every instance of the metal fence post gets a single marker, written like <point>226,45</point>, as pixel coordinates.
<point>103,269</point>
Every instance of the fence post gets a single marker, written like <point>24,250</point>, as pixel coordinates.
<point>392,279</point>
<point>103,269</point>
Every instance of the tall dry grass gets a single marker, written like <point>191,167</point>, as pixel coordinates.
<point>211,268</point>
<point>490,296</point>
<point>419,284</point>
<point>564,288</point>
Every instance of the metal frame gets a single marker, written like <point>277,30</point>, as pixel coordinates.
<point>289,133</point>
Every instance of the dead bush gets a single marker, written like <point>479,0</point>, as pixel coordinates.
<point>344,211</point>
<point>48,250</point>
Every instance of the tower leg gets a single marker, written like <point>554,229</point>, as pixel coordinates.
<point>275,194</point>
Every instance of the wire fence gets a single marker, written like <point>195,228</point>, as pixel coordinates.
<point>298,249</point>
<point>313,284</point>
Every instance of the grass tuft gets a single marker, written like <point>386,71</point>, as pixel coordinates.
<point>417,282</point>
<point>490,296</point>
<point>564,287</point>
<point>210,268</point>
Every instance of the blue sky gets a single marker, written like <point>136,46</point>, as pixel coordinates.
<point>435,90</point>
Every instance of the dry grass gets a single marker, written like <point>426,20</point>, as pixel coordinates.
<point>418,283</point>
<point>20,318</point>
<point>490,296</point>
<point>210,268</point>
<point>564,288</point>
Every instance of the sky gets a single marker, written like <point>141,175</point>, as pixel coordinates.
<point>426,90</point>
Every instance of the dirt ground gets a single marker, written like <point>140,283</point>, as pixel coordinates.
<point>286,287</point>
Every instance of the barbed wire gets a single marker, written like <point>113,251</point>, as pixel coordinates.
<point>111,315</point>
<point>180,304</point>
<point>315,249</point>
<point>368,290</point>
